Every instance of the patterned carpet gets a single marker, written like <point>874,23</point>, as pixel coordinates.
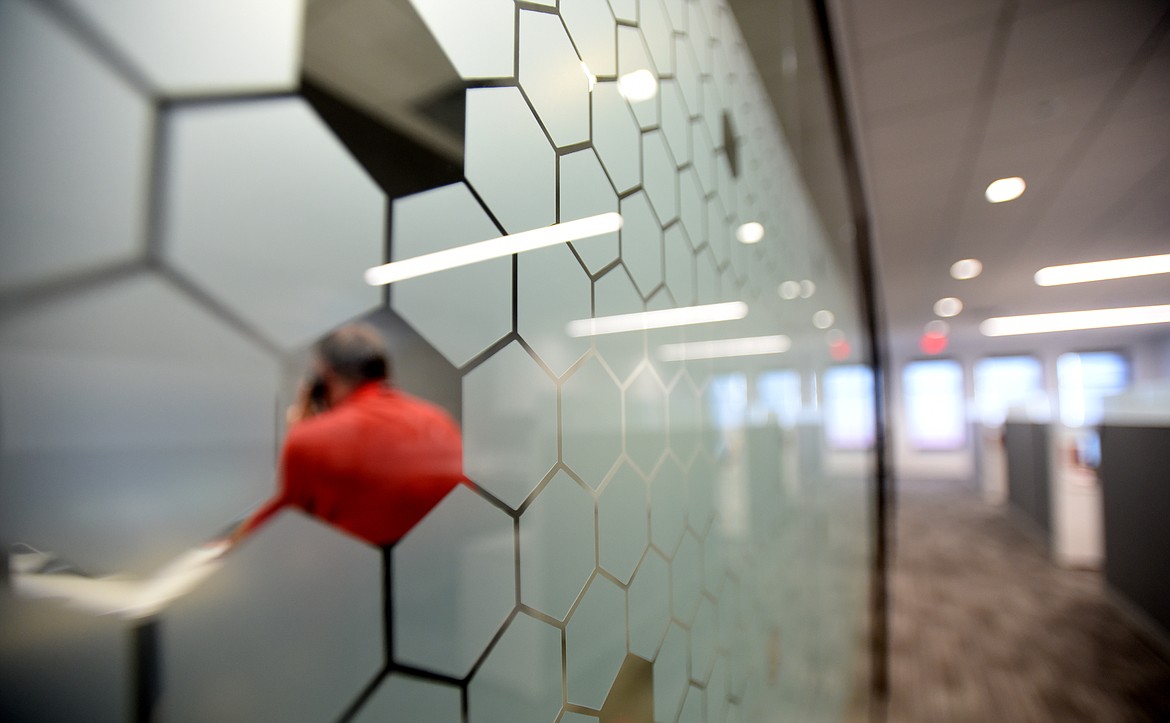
<point>985,628</point>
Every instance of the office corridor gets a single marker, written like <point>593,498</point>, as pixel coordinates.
<point>985,628</point>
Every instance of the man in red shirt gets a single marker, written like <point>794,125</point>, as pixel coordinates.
<point>361,455</point>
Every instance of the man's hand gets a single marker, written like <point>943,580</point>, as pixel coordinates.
<point>302,408</point>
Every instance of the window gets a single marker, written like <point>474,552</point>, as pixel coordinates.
<point>932,392</point>
<point>778,396</point>
<point>849,407</point>
<point>1006,381</point>
<point>1085,379</point>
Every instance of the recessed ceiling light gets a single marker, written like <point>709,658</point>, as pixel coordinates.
<point>938,327</point>
<point>966,269</point>
<point>1075,320</point>
<point>747,346</point>
<point>638,85</point>
<point>1005,189</point>
<point>807,289</point>
<point>493,248</point>
<point>1103,270</point>
<point>657,319</point>
<point>750,232</point>
<point>789,290</point>
<point>948,306</point>
<point>823,319</point>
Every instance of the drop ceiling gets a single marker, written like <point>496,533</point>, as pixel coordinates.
<point>946,96</point>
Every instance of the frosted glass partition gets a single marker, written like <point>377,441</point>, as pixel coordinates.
<point>309,223</point>
<point>215,46</point>
<point>648,529</point>
<point>298,593</point>
<point>136,425</point>
<point>67,204</point>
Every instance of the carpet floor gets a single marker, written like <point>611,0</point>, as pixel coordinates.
<point>984,627</point>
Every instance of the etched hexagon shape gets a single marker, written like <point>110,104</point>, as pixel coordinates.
<point>616,136</point>
<point>704,156</point>
<point>625,10</point>
<point>645,405</point>
<point>656,26</point>
<point>242,615</point>
<point>556,546</point>
<point>688,72</point>
<point>439,219</point>
<point>657,339</point>
<point>591,422</point>
<point>715,560</point>
<point>454,584</point>
<point>641,243</point>
<point>591,25</point>
<point>205,48</point>
<point>633,56</point>
<point>520,680</point>
<point>677,11</point>
<point>552,78</point>
<point>586,191</point>
<point>649,602</point>
<point>595,643</point>
<point>686,415</point>
<point>718,231</point>
<point>509,425</point>
<point>692,208</point>
<point>660,176</point>
<point>478,38</point>
<point>668,505</point>
<point>405,698</point>
<point>707,276</point>
<point>68,202</point>
<point>670,674</point>
<point>692,708</point>
<point>680,266</point>
<point>622,523</point>
<point>701,493</point>
<point>676,124</point>
<point>717,690</point>
<point>552,290</point>
<point>243,174</point>
<point>686,579</point>
<point>508,159</point>
<point>615,294</point>
<point>703,639</point>
<point>184,398</point>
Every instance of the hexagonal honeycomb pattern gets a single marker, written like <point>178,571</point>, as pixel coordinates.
<point>622,523</point>
<point>594,645</point>
<point>520,680</point>
<point>230,675</point>
<point>179,253</point>
<point>219,236</point>
<point>503,398</point>
<point>67,204</point>
<point>454,584</point>
<point>556,546</point>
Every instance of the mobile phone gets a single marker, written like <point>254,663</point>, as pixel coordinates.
<point>318,393</point>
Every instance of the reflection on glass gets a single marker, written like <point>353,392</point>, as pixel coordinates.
<point>1003,382</point>
<point>933,395</point>
<point>848,407</point>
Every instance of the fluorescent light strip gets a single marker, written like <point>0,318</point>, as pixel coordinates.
<point>1103,270</point>
<point>657,319</point>
<point>746,346</point>
<point>493,248</point>
<point>1075,320</point>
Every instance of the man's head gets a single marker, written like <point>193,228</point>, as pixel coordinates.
<point>350,357</point>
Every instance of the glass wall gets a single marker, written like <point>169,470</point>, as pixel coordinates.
<point>191,193</point>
